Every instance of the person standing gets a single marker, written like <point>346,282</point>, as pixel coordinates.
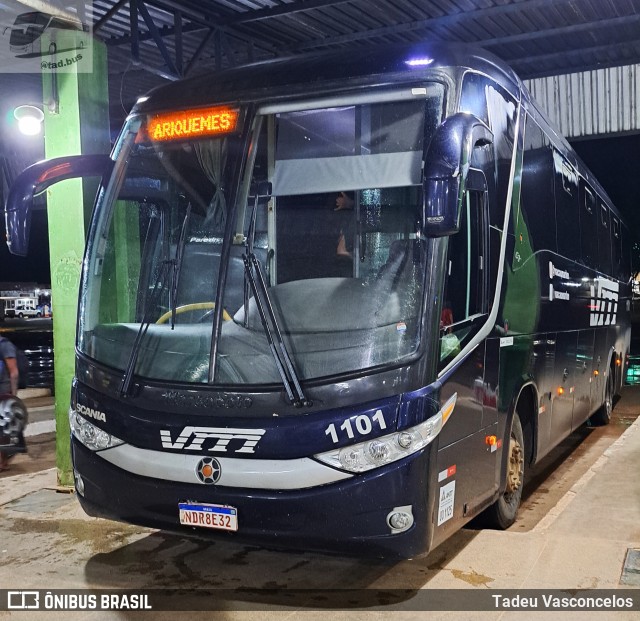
<point>9,381</point>
<point>9,374</point>
<point>343,230</point>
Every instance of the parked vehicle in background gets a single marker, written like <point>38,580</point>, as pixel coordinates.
<point>20,307</point>
<point>38,346</point>
<point>9,307</point>
<point>26,307</point>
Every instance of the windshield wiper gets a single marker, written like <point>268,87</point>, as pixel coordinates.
<point>144,326</point>
<point>287,371</point>
<point>167,266</point>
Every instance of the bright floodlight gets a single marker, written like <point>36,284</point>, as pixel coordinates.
<point>29,119</point>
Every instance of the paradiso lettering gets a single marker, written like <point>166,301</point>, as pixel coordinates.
<point>205,122</point>
<point>247,439</point>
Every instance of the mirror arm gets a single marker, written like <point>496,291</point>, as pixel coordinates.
<point>37,178</point>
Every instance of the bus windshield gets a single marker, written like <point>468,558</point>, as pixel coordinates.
<point>328,264</point>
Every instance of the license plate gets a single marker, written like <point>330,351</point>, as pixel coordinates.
<point>220,517</point>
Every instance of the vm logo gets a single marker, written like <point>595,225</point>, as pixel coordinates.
<point>213,439</point>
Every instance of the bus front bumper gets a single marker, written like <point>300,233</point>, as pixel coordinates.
<point>349,516</point>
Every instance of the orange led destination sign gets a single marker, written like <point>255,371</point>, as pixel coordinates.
<point>192,123</point>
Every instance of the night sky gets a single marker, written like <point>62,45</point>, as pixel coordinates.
<point>35,267</point>
<point>615,162</point>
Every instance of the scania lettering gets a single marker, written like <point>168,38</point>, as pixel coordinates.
<point>337,303</point>
<point>91,413</point>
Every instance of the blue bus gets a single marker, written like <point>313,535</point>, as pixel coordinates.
<point>340,302</point>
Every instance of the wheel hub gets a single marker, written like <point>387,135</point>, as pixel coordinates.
<point>516,459</point>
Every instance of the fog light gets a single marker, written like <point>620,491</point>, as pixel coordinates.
<point>79,483</point>
<point>400,519</point>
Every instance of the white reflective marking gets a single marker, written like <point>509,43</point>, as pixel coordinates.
<point>251,473</point>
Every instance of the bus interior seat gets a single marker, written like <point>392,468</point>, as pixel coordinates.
<point>202,262</point>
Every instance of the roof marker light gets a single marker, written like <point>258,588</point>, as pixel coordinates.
<point>418,62</point>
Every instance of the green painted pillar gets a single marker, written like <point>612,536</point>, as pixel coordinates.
<point>80,126</point>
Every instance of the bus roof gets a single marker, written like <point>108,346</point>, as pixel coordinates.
<point>306,75</point>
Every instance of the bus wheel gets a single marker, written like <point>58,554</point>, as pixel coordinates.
<point>502,513</point>
<point>603,415</point>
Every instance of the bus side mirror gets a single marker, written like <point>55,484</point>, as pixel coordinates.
<point>446,174</point>
<point>36,179</point>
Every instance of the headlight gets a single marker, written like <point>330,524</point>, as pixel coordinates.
<point>91,436</point>
<point>386,449</point>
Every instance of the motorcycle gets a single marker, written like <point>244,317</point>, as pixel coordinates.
<point>13,422</point>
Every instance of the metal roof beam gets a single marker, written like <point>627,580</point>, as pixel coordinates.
<point>153,29</point>
<point>280,11</point>
<point>566,68</point>
<point>196,55</point>
<point>202,14</point>
<point>445,20</point>
<point>625,20</point>
<point>108,15</point>
<point>202,25</point>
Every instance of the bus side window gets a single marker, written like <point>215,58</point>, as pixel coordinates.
<point>588,226</point>
<point>605,241</point>
<point>473,96</point>
<point>465,291</point>
<point>626,264</point>
<point>616,247</point>
<point>567,208</point>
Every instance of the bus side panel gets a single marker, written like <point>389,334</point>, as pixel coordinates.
<point>466,464</point>
<point>583,377</point>
<point>465,482</point>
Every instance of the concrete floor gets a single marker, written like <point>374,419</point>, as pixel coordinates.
<point>581,541</point>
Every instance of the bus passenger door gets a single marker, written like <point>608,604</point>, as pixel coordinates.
<point>462,446</point>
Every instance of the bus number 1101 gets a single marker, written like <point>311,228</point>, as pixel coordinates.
<point>363,424</point>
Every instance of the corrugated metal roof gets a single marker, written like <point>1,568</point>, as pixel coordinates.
<point>536,37</point>
<point>603,101</point>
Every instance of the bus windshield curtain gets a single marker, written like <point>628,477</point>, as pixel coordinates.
<point>349,148</point>
<point>351,172</point>
<point>212,157</point>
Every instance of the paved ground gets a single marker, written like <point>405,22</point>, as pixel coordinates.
<point>579,540</point>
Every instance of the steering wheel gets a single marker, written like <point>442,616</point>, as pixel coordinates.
<point>186,308</point>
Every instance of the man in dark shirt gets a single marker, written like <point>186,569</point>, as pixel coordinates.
<point>344,223</point>
<point>9,379</point>
<point>9,374</point>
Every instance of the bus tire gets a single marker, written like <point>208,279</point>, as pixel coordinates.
<point>603,415</point>
<point>502,513</point>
